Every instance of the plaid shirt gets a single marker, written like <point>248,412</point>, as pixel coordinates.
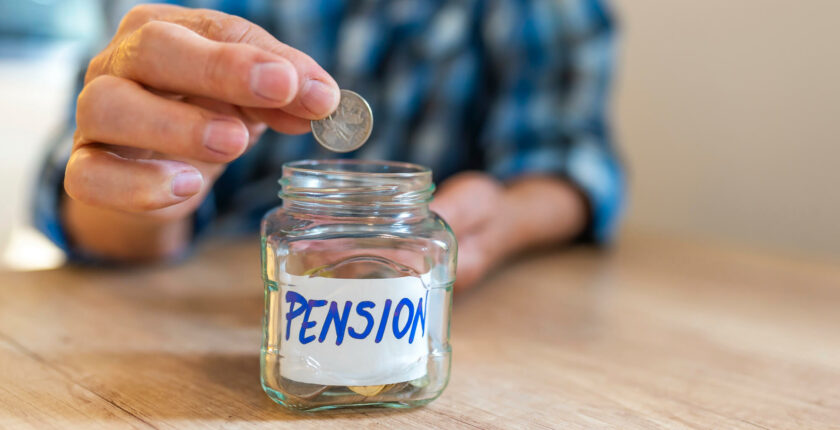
<point>505,86</point>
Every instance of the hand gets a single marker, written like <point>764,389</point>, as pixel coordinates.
<point>176,95</point>
<point>472,204</point>
<point>491,222</point>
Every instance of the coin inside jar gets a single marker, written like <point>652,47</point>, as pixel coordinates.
<point>348,127</point>
<point>367,390</point>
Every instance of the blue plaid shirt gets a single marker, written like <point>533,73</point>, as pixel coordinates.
<point>505,86</point>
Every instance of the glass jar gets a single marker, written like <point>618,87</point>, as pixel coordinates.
<point>358,277</point>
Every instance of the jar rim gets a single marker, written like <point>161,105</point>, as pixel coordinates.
<point>378,168</point>
<point>355,182</point>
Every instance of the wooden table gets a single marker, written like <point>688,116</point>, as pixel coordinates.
<point>656,333</point>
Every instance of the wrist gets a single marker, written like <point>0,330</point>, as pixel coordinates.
<point>542,211</point>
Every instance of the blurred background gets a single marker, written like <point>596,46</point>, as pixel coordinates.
<point>726,112</point>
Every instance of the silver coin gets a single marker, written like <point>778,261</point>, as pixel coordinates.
<point>348,127</point>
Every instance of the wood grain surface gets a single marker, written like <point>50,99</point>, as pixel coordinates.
<point>655,333</point>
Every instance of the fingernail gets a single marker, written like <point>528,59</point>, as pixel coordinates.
<point>226,137</point>
<point>187,184</point>
<point>319,98</point>
<point>276,81</point>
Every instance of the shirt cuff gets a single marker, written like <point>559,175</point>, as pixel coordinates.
<point>586,165</point>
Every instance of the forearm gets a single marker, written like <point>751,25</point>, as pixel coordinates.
<point>120,236</point>
<point>542,210</point>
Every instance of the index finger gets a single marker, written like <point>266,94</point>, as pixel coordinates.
<point>212,54</point>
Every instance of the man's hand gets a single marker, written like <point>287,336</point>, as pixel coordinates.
<point>492,222</point>
<point>176,95</point>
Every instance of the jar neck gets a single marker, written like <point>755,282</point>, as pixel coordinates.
<point>338,210</point>
<point>356,188</point>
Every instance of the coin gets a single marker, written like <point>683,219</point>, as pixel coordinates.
<point>367,390</point>
<point>394,387</point>
<point>348,127</point>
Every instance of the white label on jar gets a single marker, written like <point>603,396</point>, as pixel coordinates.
<point>353,331</point>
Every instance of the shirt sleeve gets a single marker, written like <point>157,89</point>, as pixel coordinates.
<point>554,63</point>
<point>48,192</point>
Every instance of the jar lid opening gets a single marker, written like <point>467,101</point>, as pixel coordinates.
<point>356,182</point>
<point>356,167</point>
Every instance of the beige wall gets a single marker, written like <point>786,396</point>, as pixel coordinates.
<point>728,113</point>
